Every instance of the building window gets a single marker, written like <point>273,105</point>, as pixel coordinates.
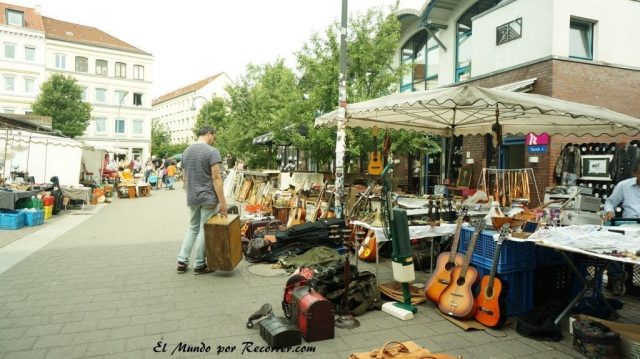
<point>119,126</point>
<point>15,18</point>
<point>101,125</point>
<point>581,39</point>
<point>9,83</point>
<point>137,127</point>
<point>137,99</point>
<point>82,64</point>
<point>138,72</point>
<point>9,110</point>
<point>463,37</point>
<point>102,68</point>
<point>30,53</point>
<point>9,51</point>
<point>84,93</point>
<point>101,95</point>
<point>60,61</point>
<point>119,98</point>
<point>422,55</point>
<point>29,85</point>
<point>121,69</point>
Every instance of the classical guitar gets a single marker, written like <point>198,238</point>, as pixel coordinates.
<point>368,249</point>
<point>441,276</point>
<point>299,213</point>
<point>316,209</point>
<point>489,310</point>
<point>457,299</point>
<point>375,157</point>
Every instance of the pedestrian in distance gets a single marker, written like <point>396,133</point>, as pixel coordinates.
<point>171,175</point>
<point>201,173</point>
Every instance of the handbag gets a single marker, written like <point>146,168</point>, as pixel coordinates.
<point>256,250</point>
<point>404,350</point>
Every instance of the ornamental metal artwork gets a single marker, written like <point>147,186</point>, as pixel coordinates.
<point>509,31</point>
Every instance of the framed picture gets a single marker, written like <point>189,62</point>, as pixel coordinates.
<point>596,167</point>
<point>464,177</point>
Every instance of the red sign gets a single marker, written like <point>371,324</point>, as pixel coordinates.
<point>531,139</point>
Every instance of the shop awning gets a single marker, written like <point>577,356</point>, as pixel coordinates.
<point>267,138</point>
<point>520,86</point>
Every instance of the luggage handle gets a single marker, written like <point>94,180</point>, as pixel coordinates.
<point>380,354</point>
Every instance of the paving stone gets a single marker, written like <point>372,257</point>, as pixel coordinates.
<point>27,354</point>
<point>76,327</point>
<point>108,347</point>
<point>57,340</point>
<point>46,329</point>
<point>17,344</point>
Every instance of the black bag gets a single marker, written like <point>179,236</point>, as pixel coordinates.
<point>256,250</point>
<point>538,323</point>
<point>595,340</point>
<point>331,278</point>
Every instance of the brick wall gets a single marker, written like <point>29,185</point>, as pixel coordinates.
<point>543,71</point>
<point>476,147</point>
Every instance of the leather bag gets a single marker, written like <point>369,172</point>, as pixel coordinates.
<point>404,350</point>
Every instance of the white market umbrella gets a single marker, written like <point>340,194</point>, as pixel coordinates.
<point>471,110</point>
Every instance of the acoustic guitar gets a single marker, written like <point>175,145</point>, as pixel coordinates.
<point>375,157</point>
<point>441,277</point>
<point>368,248</point>
<point>457,299</point>
<point>490,305</point>
<point>298,215</point>
<point>316,209</point>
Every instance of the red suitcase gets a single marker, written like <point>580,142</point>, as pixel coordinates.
<point>313,314</point>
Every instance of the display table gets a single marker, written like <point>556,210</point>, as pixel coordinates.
<point>8,199</point>
<point>78,193</point>
<point>415,232</point>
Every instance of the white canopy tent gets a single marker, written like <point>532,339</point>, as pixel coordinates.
<point>470,110</point>
<point>41,155</point>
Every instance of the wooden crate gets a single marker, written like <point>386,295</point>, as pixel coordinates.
<point>223,246</point>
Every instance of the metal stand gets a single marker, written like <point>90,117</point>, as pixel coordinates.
<point>344,319</point>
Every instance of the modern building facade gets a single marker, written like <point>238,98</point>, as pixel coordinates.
<point>116,77</point>
<point>177,111</point>
<point>568,49</point>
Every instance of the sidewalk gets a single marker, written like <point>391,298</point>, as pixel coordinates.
<point>107,287</point>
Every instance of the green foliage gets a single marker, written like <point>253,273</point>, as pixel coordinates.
<point>213,113</point>
<point>160,142</point>
<point>61,99</point>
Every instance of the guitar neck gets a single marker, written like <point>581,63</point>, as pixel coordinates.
<point>456,240</point>
<point>494,267</point>
<point>467,257</point>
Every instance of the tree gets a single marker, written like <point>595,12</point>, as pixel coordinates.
<point>213,113</point>
<point>161,145</point>
<point>372,46</point>
<point>61,99</point>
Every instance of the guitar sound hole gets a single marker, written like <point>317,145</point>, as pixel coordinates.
<point>489,292</point>
<point>460,281</point>
<point>448,266</point>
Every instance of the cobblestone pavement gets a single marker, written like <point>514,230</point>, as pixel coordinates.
<point>107,287</point>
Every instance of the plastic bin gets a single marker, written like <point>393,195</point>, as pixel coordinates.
<point>48,212</point>
<point>33,217</point>
<point>12,219</point>
<point>32,202</point>
<point>517,290</point>
<point>549,257</point>
<point>48,200</point>
<point>514,256</point>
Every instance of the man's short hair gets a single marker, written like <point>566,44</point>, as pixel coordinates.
<point>205,130</point>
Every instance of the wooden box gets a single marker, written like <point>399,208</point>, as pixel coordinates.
<point>281,213</point>
<point>312,314</point>
<point>279,333</point>
<point>223,246</point>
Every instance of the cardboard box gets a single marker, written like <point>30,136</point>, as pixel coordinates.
<point>629,334</point>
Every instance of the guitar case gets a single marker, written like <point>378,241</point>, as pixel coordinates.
<point>313,314</point>
<point>278,332</point>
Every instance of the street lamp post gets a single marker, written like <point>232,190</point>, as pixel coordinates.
<point>118,116</point>
<point>193,102</point>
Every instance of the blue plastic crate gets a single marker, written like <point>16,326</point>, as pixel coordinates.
<point>588,269</point>
<point>11,219</point>
<point>517,290</point>
<point>548,257</point>
<point>514,256</point>
<point>33,217</point>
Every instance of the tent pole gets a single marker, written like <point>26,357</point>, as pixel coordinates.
<point>452,140</point>
<point>342,101</point>
<point>6,144</point>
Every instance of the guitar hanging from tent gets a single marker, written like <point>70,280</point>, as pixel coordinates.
<point>375,157</point>
<point>490,306</point>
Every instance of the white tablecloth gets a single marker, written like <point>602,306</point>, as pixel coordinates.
<point>415,232</point>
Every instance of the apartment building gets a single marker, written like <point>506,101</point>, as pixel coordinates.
<point>177,110</point>
<point>577,50</point>
<point>116,77</point>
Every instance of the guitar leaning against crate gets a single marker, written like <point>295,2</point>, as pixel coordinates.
<point>375,156</point>
<point>446,261</point>
<point>457,299</point>
<point>490,302</point>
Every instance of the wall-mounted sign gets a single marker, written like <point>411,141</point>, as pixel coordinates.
<point>509,31</point>
<point>531,139</point>
<point>539,149</point>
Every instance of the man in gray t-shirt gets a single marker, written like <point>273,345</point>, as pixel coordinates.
<point>205,197</point>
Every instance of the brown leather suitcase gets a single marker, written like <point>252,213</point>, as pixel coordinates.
<point>313,314</point>
<point>223,245</point>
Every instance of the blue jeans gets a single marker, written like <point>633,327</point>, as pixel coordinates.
<point>199,215</point>
<point>171,180</point>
